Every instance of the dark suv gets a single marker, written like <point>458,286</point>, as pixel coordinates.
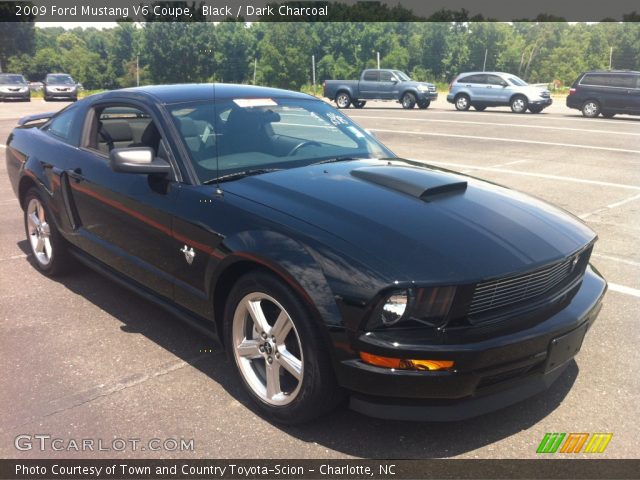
<point>606,93</point>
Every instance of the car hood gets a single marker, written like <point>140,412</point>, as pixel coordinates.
<point>413,83</point>
<point>426,224</point>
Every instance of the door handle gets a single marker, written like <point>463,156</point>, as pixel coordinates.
<point>489,86</point>
<point>76,174</point>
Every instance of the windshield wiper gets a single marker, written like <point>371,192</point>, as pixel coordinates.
<point>237,175</point>
<point>343,158</point>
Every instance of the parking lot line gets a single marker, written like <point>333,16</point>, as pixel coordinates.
<point>610,206</point>
<point>529,174</point>
<point>519,125</point>
<point>513,140</point>
<point>616,259</point>
<point>634,292</point>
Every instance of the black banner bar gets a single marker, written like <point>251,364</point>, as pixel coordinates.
<point>117,469</point>
<point>317,11</point>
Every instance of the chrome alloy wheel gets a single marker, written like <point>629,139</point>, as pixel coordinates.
<point>462,102</point>
<point>39,232</point>
<point>267,349</point>
<point>343,100</point>
<point>590,109</point>
<point>519,105</point>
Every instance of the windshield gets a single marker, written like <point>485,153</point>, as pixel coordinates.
<point>12,80</point>
<point>401,75</point>
<point>268,133</point>
<point>517,81</point>
<point>60,79</point>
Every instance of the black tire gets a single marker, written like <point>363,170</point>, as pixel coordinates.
<point>519,104</point>
<point>317,392</point>
<point>608,114</point>
<point>462,102</point>
<point>480,108</point>
<point>343,100</point>
<point>590,109</point>
<point>423,105</point>
<point>55,260</point>
<point>535,108</point>
<point>359,103</point>
<point>408,101</point>
<point>45,98</point>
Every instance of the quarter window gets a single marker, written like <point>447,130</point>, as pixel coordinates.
<point>61,124</point>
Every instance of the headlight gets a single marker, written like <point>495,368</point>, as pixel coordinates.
<point>413,307</point>
<point>394,307</point>
<point>423,88</point>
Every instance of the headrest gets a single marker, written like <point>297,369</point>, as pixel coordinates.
<point>188,127</point>
<point>119,131</point>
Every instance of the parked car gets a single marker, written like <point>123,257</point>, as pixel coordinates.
<point>325,263</point>
<point>60,86</point>
<point>14,87</point>
<point>495,89</point>
<point>383,84</point>
<point>606,92</point>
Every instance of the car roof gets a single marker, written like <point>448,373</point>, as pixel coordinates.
<point>489,73</point>
<point>190,92</point>
<point>612,71</point>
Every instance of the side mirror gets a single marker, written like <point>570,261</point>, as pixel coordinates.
<point>137,160</point>
<point>394,80</point>
<point>504,84</point>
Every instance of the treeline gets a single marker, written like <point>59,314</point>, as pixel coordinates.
<point>281,53</point>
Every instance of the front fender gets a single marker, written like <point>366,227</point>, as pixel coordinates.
<point>287,258</point>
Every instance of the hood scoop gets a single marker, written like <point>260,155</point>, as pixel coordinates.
<point>418,182</point>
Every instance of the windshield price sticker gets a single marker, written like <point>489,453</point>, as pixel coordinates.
<point>254,102</point>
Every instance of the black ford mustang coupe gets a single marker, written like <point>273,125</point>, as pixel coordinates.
<point>323,262</point>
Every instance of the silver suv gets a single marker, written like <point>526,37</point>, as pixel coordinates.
<point>496,89</point>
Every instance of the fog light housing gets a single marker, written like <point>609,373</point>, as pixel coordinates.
<point>406,364</point>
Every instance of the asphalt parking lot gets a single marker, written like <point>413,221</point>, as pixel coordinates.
<point>84,358</point>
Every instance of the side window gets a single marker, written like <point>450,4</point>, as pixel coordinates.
<point>122,126</point>
<point>61,124</point>
<point>473,79</point>
<point>371,76</point>
<point>494,80</point>
<point>623,80</point>
<point>595,80</point>
<point>386,76</point>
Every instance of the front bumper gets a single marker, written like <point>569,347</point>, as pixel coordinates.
<point>55,94</point>
<point>431,96</point>
<point>542,102</point>
<point>15,95</point>
<point>490,374</point>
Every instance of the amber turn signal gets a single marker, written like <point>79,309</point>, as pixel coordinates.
<point>405,364</point>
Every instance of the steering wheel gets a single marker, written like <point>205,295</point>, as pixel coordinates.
<point>306,143</point>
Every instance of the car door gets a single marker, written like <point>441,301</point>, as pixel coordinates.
<point>476,86</point>
<point>369,84</point>
<point>387,86</point>
<point>495,90</point>
<point>124,219</point>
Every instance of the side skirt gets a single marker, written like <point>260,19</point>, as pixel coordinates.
<point>202,325</point>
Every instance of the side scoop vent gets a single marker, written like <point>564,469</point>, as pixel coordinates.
<point>417,182</point>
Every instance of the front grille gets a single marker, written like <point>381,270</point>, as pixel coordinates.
<point>507,291</point>
<point>432,88</point>
<point>545,95</point>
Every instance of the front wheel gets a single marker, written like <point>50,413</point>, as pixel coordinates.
<point>343,100</point>
<point>480,108</point>
<point>359,103</point>
<point>423,105</point>
<point>278,350</point>
<point>608,114</point>
<point>47,245</point>
<point>519,104</point>
<point>408,100</point>
<point>535,108</point>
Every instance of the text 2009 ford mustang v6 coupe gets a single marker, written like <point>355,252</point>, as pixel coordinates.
<point>325,263</point>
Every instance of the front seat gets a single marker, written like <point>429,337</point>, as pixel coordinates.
<point>150,138</point>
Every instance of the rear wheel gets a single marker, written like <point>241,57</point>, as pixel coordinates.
<point>480,108</point>
<point>462,103</point>
<point>47,245</point>
<point>424,104</point>
<point>359,103</point>
<point>343,100</point>
<point>591,109</point>
<point>519,104</point>
<point>408,100</point>
<point>278,350</point>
